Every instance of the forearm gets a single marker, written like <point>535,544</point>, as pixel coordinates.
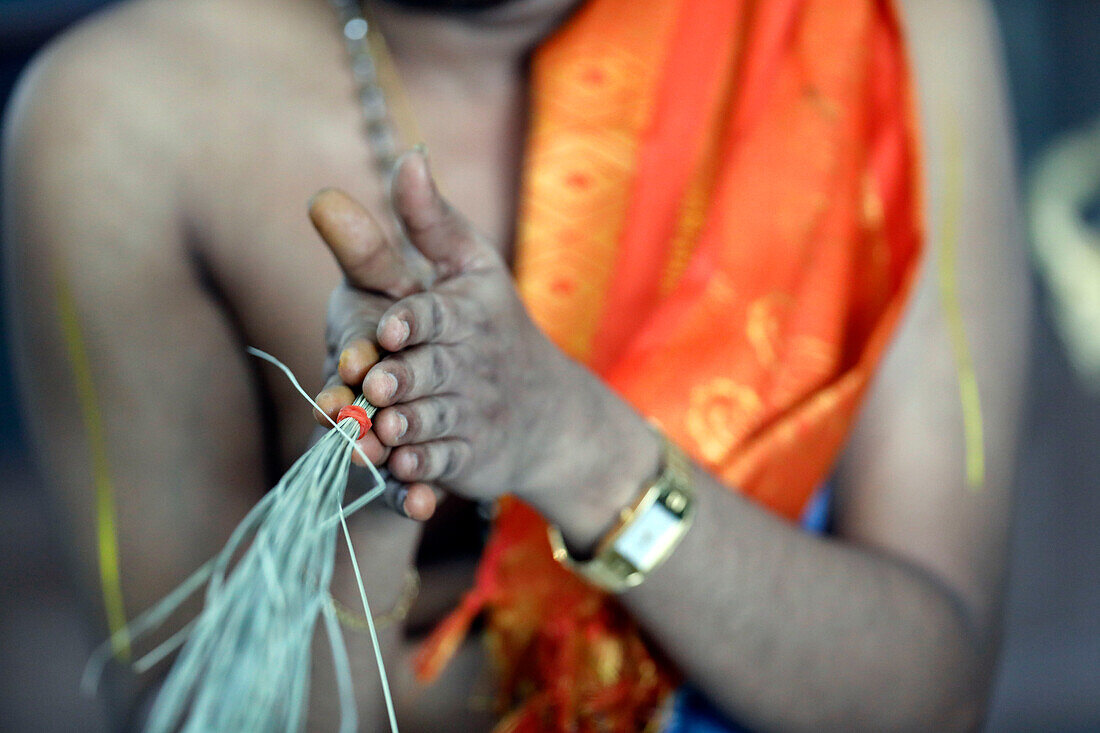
<point>782,629</point>
<point>790,631</point>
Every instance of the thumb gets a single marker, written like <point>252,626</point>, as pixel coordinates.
<point>433,226</point>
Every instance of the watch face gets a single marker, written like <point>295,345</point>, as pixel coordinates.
<point>648,537</point>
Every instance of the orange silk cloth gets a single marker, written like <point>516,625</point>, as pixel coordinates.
<point>720,217</point>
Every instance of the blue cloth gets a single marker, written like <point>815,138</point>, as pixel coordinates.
<point>691,713</point>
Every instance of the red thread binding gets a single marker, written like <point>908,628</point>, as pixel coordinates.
<point>359,415</point>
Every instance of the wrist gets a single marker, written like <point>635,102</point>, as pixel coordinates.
<point>646,533</point>
<point>605,457</point>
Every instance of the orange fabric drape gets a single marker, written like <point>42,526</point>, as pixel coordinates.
<point>720,216</point>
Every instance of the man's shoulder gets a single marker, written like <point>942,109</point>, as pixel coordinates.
<point>951,42</point>
<point>101,114</point>
<point>108,85</point>
<point>145,67</point>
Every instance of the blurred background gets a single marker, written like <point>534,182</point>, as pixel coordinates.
<point>1049,677</point>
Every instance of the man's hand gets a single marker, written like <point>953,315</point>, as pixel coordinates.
<point>471,394</point>
<point>376,275</point>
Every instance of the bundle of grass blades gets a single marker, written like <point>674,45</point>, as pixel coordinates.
<point>245,661</point>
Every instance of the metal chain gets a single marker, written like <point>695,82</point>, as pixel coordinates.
<point>371,63</point>
<point>380,130</point>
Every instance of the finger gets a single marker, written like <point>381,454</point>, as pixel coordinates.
<point>366,256</point>
<point>334,397</point>
<point>429,418</point>
<point>439,460</point>
<point>435,228</point>
<point>376,452</point>
<point>414,373</point>
<point>420,502</point>
<point>416,501</point>
<point>424,317</point>
<point>356,359</point>
<point>351,325</point>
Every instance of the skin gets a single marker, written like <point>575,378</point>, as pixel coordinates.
<point>169,195</point>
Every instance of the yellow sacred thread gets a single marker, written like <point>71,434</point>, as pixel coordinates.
<point>949,296</point>
<point>106,530</point>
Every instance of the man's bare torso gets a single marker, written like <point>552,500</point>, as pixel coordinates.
<point>267,115</point>
<point>247,109</point>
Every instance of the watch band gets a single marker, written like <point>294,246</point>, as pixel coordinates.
<point>646,533</point>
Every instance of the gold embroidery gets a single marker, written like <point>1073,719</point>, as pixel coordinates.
<point>762,327</point>
<point>720,416</point>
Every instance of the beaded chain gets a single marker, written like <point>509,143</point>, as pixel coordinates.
<point>362,39</point>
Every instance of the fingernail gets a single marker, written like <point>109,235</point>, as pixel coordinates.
<point>402,332</point>
<point>399,499</point>
<point>389,385</point>
<point>403,425</point>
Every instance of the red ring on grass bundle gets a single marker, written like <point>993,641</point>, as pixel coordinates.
<point>359,415</point>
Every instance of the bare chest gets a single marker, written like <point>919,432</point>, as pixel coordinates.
<point>263,155</point>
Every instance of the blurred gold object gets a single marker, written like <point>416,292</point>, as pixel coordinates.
<point>354,622</point>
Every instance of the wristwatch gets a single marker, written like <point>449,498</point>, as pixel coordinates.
<point>646,532</point>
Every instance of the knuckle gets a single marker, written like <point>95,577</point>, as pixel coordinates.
<point>444,416</point>
<point>373,253</point>
<point>450,462</point>
<point>482,318</point>
<point>466,357</point>
<point>370,257</point>
<point>440,366</point>
<point>438,314</point>
<point>457,458</point>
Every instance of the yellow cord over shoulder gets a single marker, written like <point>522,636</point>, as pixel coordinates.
<point>106,522</point>
<point>949,297</point>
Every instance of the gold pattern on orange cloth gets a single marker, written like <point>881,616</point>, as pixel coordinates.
<point>749,331</point>
<point>720,416</point>
<point>763,325</point>
<point>585,125</point>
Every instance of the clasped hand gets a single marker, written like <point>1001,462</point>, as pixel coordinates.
<point>469,390</point>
